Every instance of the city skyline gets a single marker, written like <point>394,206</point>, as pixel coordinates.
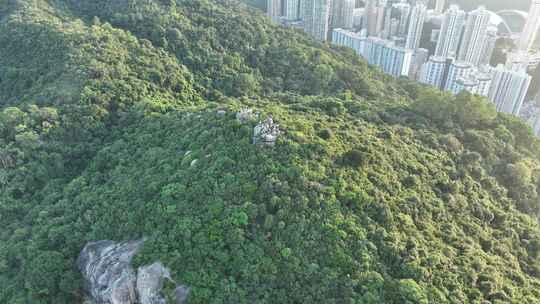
<point>389,35</point>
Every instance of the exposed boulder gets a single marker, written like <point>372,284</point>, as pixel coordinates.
<point>106,268</point>
<point>266,132</point>
<point>109,277</point>
<point>245,115</point>
<point>181,294</point>
<point>150,281</point>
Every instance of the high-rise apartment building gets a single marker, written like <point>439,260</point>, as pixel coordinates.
<point>291,9</point>
<point>450,34</point>
<point>420,57</point>
<point>476,83</point>
<point>508,89</point>
<point>358,16</point>
<point>317,18</point>
<point>404,10</point>
<point>475,33</point>
<point>381,14</point>
<point>274,9</point>
<point>370,18</point>
<point>342,13</point>
<point>301,9</point>
<point>433,71</point>
<point>439,6</point>
<point>520,58</point>
<point>349,39</point>
<point>393,60</point>
<point>469,84</point>
<point>457,70</point>
<point>489,45</point>
<point>387,31</point>
<point>394,28</point>
<point>530,30</point>
<point>484,83</point>
<point>416,25</point>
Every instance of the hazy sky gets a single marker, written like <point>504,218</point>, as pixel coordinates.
<point>494,5</point>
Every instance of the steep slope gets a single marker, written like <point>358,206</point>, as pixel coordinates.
<point>119,122</point>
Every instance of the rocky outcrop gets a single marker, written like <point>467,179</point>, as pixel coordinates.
<point>150,281</point>
<point>106,268</point>
<point>266,132</point>
<point>246,115</point>
<point>109,277</point>
<point>181,294</point>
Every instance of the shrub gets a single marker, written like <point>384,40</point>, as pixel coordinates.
<point>354,158</point>
<point>325,134</point>
<point>451,143</point>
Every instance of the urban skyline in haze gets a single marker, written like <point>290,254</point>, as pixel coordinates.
<point>388,34</point>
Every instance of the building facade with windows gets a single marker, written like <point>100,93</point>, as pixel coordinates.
<point>474,35</point>
<point>316,15</point>
<point>350,39</point>
<point>393,60</point>
<point>457,70</point>
<point>416,25</point>
<point>433,71</point>
<point>274,9</point>
<point>390,58</point>
<point>508,89</point>
<point>450,33</point>
<point>291,10</point>
<point>342,14</point>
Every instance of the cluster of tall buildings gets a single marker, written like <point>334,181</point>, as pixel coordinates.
<point>389,34</point>
<point>316,17</point>
<point>394,60</point>
<point>461,58</point>
<point>400,22</point>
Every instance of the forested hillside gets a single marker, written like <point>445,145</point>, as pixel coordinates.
<point>119,121</point>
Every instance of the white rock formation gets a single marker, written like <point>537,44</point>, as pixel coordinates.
<point>245,115</point>
<point>109,277</point>
<point>150,280</point>
<point>106,267</point>
<point>266,132</point>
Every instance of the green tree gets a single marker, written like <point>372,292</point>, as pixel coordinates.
<point>434,105</point>
<point>411,293</point>
<point>473,110</point>
<point>44,272</point>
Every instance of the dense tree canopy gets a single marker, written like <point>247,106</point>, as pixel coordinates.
<point>118,121</point>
